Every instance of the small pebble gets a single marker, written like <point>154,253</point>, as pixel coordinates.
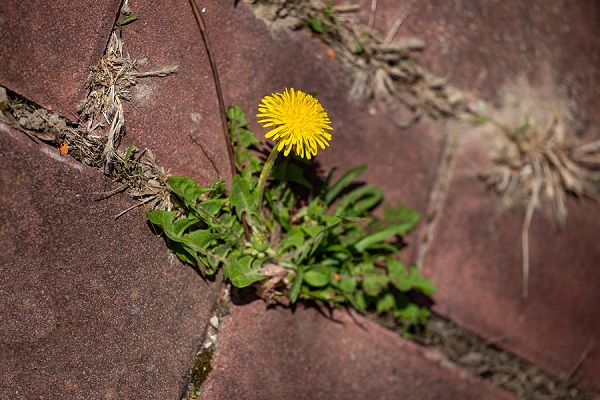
<point>214,322</point>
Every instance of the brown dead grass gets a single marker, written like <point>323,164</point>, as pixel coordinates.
<point>94,140</point>
<point>539,170</point>
<point>381,68</point>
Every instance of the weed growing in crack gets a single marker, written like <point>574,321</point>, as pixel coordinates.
<point>326,247</point>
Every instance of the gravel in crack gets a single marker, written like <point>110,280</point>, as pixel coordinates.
<point>482,358</point>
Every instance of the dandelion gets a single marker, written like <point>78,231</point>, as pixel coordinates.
<point>300,122</point>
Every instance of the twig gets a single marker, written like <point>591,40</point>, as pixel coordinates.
<point>139,204</point>
<point>215,73</point>
<point>342,8</point>
<point>106,195</point>
<point>533,200</point>
<point>578,363</point>
<point>372,14</point>
<point>481,77</point>
<point>206,155</point>
<point>395,28</point>
<point>159,73</point>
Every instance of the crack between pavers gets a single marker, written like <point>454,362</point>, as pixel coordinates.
<point>438,192</point>
<point>485,359</point>
<point>202,366</point>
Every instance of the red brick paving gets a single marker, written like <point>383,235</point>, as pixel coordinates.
<point>89,306</point>
<point>84,341</point>
<point>280,354</point>
<point>475,254</point>
<point>47,48</point>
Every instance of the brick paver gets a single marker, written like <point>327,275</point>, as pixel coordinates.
<point>47,48</point>
<point>89,306</point>
<point>301,354</point>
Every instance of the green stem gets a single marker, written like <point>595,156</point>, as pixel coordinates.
<point>262,180</point>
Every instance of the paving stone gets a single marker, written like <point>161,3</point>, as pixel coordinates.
<point>280,354</point>
<point>78,342</point>
<point>89,306</point>
<point>48,47</point>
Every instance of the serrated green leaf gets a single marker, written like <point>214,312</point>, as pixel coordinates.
<point>346,284</point>
<point>211,207</point>
<point>182,224</point>
<point>162,218</point>
<point>217,189</point>
<point>314,242</point>
<point>343,183</point>
<point>254,164</point>
<point>312,231</point>
<point>235,113</point>
<point>187,189</point>
<point>199,240</point>
<point>386,302</point>
<point>247,138</point>
<point>242,198</point>
<point>317,276</point>
<point>297,284</point>
<point>181,252</point>
<point>241,272</point>
<point>218,254</point>
<point>294,238</point>
<point>375,284</point>
<point>320,236</point>
<point>398,274</point>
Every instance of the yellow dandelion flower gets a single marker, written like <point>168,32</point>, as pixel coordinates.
<point>300,122</point>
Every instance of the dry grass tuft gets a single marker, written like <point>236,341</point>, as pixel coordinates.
<point>380,68</point>
<point>95,139</point>
<point>538,168</point>
<point>109,83</point>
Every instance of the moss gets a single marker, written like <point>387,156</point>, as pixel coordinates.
<point>202,367</point>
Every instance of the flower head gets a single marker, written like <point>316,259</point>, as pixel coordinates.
<point>299,119</point>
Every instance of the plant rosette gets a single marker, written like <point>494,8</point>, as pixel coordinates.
<point>326,247</point>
